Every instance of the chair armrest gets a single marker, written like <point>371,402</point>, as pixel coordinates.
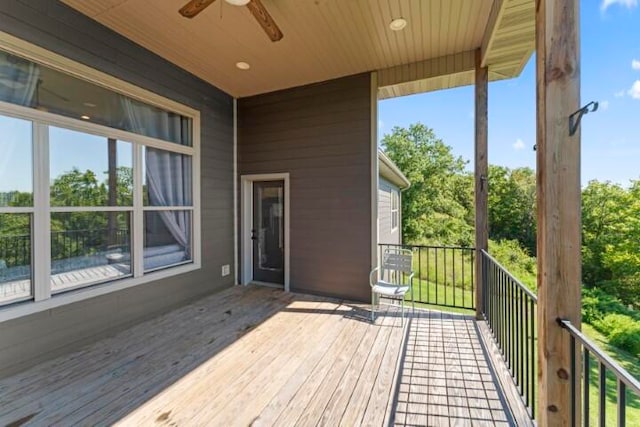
<point>409,280</point>
<point>371,281</point>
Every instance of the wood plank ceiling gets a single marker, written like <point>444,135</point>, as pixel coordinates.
<point>323,39</point>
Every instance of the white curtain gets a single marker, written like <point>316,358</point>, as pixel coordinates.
<point>18,80</point>
<point>168,174</point>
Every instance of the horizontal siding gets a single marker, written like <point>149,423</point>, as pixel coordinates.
<point>321,135</point>
<point>385,233</point>
<point>52,25</point>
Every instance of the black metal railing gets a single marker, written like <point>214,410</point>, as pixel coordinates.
<point>510,312</point>
<point>443,275</point>
<point>72,243</point>
<point>625,385</point>
<point>15,250</point>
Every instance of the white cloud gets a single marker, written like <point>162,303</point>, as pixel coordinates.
<point>635,64</point>
<point>380,124</point>
<point>518,145</point>
<point>619,94</point>
<point>604,105</point>
<point>634,92</point>
<point>629,4</point>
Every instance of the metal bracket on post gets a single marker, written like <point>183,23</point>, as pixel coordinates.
<point>574,119</point>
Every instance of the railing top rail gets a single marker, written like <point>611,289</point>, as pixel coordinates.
<point>611,364</point>
<point>426,246</point>
<point>516,281</point>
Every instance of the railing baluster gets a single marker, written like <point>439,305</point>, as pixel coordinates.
<point>453,279</point>
<point>437,277</point>
<point>602,394</point>
<point>419,274</point>
<point>622,403</point>
<point>572,378</point>
<point>586,384</point>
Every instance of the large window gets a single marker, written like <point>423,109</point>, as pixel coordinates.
<point>16,209</point>
<point>96,187</point>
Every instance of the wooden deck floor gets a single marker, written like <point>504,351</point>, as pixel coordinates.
<point>259,356</point>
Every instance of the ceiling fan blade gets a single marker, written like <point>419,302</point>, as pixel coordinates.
<point>265,20</point>
<point>194,7</point>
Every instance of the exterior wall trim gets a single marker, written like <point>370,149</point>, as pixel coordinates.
<point>247,216</point>
<point>375,173</point>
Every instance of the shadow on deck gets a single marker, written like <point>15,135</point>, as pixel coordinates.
<point>259,356</point>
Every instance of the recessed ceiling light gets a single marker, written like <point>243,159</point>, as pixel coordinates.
<point>243,65</point>
<point>89,104</point>
<point>238,2</point>
<point>85,117</point>
<point>398,24</point>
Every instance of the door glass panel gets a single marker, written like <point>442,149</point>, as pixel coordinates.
<point>269,231</point>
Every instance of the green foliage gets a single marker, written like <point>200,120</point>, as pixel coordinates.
<point>437,205</point>
<point>623,331</point>
<point>611,239</point>
<point>512,203</point>
<point>516,260</point>
<point>609,316</point>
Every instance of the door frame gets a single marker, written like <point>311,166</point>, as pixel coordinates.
<point>246,246</point>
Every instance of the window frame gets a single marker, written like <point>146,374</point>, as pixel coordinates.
<point>41,246</point>
<point>395,209</point>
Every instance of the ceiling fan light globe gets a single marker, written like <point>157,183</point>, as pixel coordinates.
<point>238,2</point>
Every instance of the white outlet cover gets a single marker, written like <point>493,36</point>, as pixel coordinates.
<point>226,270</point>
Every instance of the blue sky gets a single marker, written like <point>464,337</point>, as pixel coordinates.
<point>610,50</point>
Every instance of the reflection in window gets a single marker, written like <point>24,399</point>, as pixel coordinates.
<point>16,170</point>
<point>28,84</point>
<point>89,170</point>
<point>15,257</point>
<point>167,238</point>
<point>86,248</point>
<point>167,178</point>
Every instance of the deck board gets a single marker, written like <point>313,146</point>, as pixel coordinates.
<point>259,356</point>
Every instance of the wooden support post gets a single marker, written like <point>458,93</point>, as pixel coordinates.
<point>481,177</point>
<point>558,198</point>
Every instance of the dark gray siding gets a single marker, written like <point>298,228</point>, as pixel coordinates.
<point>385,233</point>
<point>321,135</point>
<point>58,28</point>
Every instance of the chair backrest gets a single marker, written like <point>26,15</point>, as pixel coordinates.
<point>397,259</point>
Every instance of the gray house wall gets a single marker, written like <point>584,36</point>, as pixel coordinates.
<point>58,28</point>
<point>321,135</point>
<point>385,233</point>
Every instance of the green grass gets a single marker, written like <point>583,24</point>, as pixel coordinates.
<point>443,277</point>
<point>429,295</point>
<point>628,362</point>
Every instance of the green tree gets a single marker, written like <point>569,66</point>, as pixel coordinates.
<point>435,207</point>
<point>512,200</point>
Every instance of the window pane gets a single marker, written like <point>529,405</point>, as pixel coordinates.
<point>167,178</point>
<point>16,170</point>
<point>15,257</point>
<point>89,170</point>
<point>25,83</point>
<point>89,248</point>
<point>167,238</point>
